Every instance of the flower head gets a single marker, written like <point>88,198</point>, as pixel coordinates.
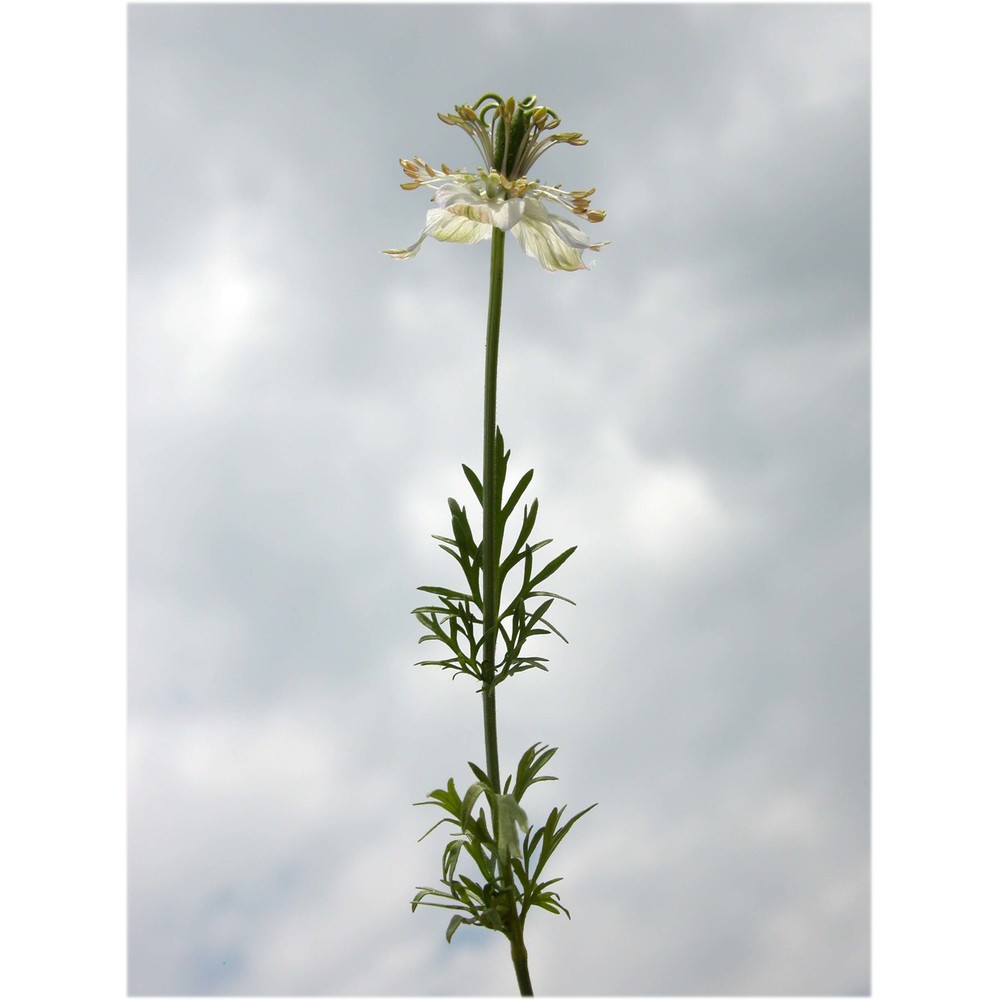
<point>470,204</point>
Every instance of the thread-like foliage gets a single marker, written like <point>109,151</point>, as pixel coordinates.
<point>491,900</point>
<point>456,620</point>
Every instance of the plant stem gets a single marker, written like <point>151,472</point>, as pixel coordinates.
<point>491,507</point>
<point>518,952</point>
<point>491,565</point>
<point>519,956</point>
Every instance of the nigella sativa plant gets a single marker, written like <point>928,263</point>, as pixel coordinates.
<point>485,621</point>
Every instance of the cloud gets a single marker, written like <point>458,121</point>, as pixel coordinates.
<point>695,408</point>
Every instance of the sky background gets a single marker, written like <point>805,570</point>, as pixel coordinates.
<point>696,408</point>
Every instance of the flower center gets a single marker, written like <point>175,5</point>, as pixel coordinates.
<point>510,135</point>
<point>493,183</point>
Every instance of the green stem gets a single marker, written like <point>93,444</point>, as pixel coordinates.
<point>519,956</point>
<point>491,569</point>
<point>518,952</point>
<point>491,506</point>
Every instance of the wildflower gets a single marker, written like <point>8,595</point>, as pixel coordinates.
<point>470,204</point>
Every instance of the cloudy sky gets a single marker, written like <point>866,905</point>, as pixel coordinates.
<point>696,408</point>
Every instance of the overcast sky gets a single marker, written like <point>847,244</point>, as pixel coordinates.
<point>696,408</point>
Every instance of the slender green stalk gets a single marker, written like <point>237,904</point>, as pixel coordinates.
<point>519,956</point>
<point>518,952</point>
<point>491,507</point>
<point>491,565</point>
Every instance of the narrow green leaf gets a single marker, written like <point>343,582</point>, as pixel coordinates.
<point>477,486</point>
<point>449,859</point>
<point>502,458</point>
<point>469,802</point>
<point>452,552</point>
<point>453,595</point>
<point>517,553</point>
<point>463,532</point>
<point>516,494</point>
<point>532,761</point>
<point>428,609</point>
<point>552,567</point>
<point>460,892</point>
<point>474,849</point>
<point>545,885</point>
<point>553,837</point>
<point>538,613</point>
<point>523,770</point>
<point>533,842</point>
<point>545,593</point>
<point>474,888</point>
<point>479,773</point>
<point>552,628</point>
<point>562,832</point>
<point>491,918</point>
<point>545,906</point>
<point>518,868</point>
<point>453,925</point>
<point>438,823</point>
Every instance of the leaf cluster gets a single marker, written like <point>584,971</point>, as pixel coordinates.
<point>507,882</point>
<point>456,620</point>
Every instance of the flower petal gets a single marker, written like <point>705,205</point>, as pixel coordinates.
<point>478,211</point>
<point>448,227</point>
<point>452,193</point>
<point>508,214</point>
<point>554,242</point>
<point>411,250</point>
<point>469,206</point>
<point>468,199</point>
<point>539,239</point>
<point>572,235</point>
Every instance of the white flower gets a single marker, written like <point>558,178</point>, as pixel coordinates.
<point>470,205</point>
